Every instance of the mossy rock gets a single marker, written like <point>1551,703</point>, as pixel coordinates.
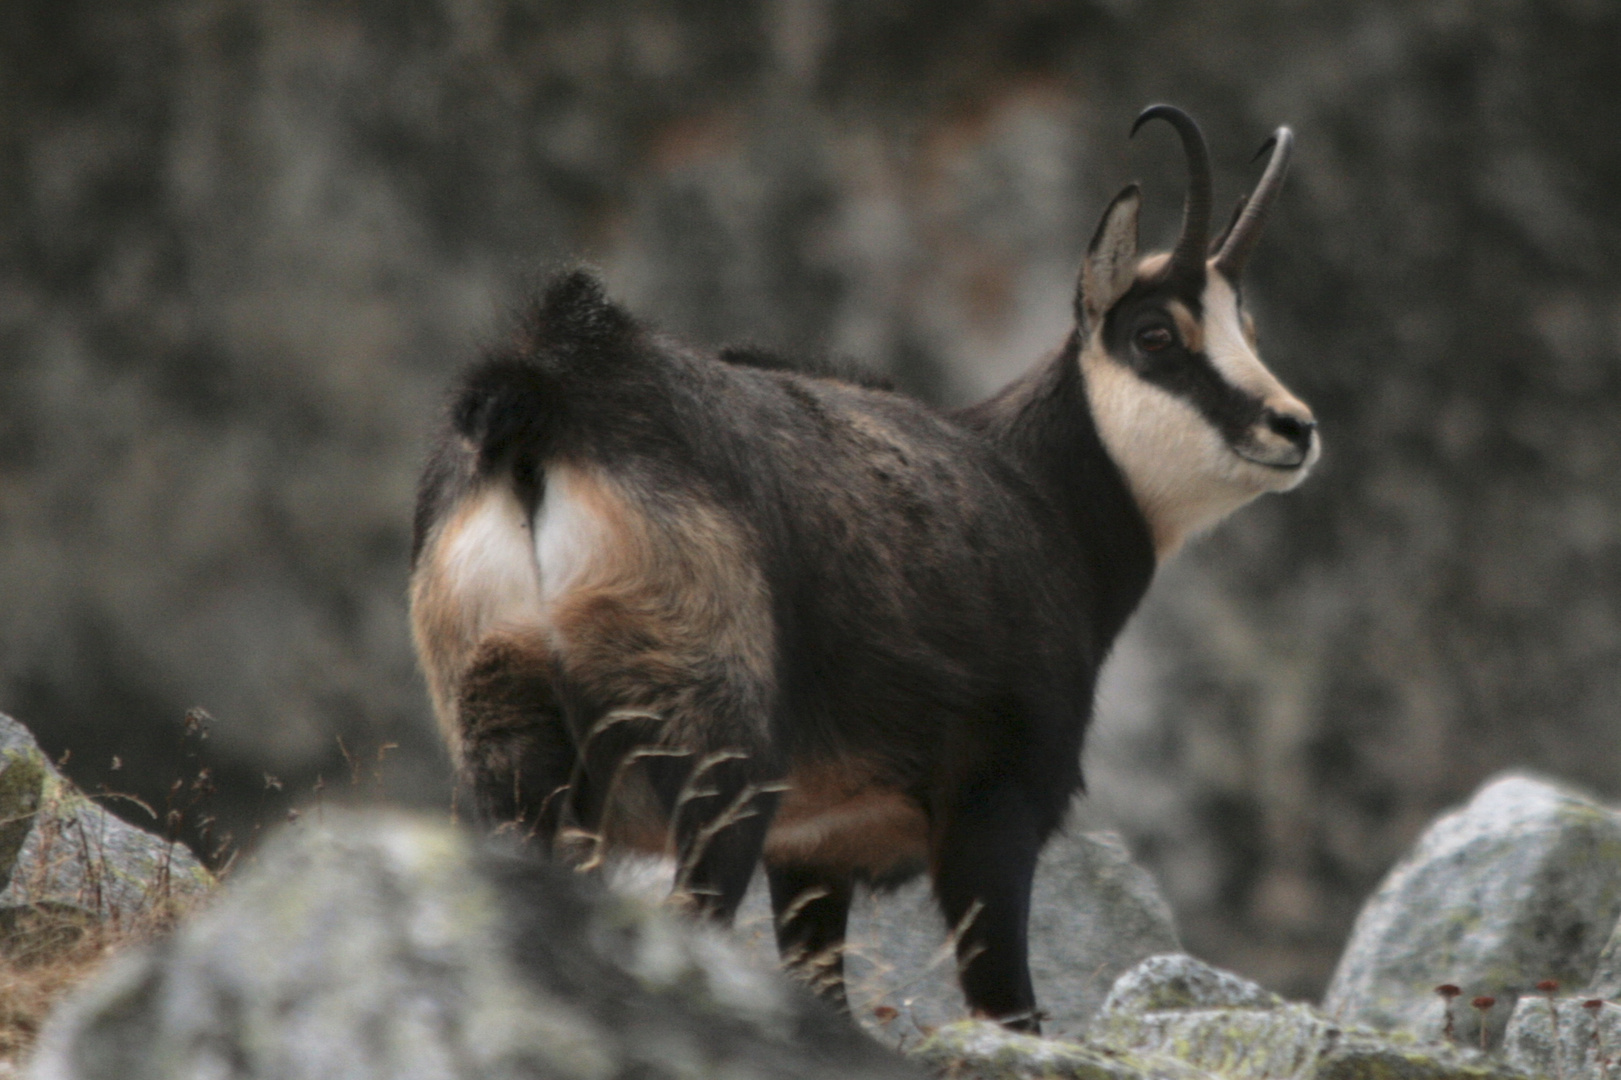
<point>59,847</point>
<point>22,781</point>
<point>981,1050</point>
<point>1222,1025</point>
<point>1521,885</point>
<point>389,946</point>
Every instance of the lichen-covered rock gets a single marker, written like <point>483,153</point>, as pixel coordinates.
<point>1522,884</point>
<point>1363,1054</point>
<point>1218,1023</point>
<point>980,1050</point>
<point>1094,914</point>
<point>1255,1044</point>
<point>58,846</point>
<point>1568,1038</point>
<point>1223,1042</point>
<point>1178,981</point>
<point>389,947</point>
<point>22,784</point>
<point>1606,980</point>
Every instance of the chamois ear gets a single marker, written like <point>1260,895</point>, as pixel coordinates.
<point>1111,259</point>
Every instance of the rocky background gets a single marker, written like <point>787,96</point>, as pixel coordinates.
<point>244,245</point>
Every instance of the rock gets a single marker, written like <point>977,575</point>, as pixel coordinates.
<point>22,782</point>
<point>387,946</point>
<point>1225,1026</point>
<point>981,1050</point>
<point>1094,914</point>
<point>1213,1020</point>
<point>1606,980</point>
<point>1223,1043</point>
<point>1522,884</point>
<point>1363,1054</point>
<point>59,847</point>
<point>1178,981</point>
<point>1568,1038</point>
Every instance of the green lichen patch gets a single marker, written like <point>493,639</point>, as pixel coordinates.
<point>1569,1038</point>
<point>1246,1044</point>
<point>1364,1055</point>
<point>22,780</point>
<point>1178,981</point>
<point>1521,885</point>
<point>980,1050</point>
<point>1290,1043</point>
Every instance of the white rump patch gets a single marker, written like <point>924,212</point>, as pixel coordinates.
<point>488,565</point>
<point>571,531</point>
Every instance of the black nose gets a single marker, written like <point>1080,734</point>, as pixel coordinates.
<point>1297,429</point>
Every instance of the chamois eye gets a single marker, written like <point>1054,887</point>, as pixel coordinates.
<point>1155,338</point>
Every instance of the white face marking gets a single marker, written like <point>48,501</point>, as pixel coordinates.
<point>1182,472</point>
<point>1235,360</point>
<point>1233,357</point>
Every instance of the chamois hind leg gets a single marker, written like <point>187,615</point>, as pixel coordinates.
<point>660,777</point>
<point>719,816</point>
<point>811,909</point>
<point>516,755</point>
<point>985,862</point>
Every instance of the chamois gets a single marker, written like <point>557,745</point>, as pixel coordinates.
<point>719,607</point>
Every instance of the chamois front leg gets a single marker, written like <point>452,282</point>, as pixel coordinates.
<point>985,865</point>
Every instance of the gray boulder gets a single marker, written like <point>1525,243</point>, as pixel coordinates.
<point>1568,1038</point>
<point>1175,1018</point>
<point>1216,1022</point>
<point>1178,981</point>
<point>1520,885</point>
<point>1095,913</point>
<point>390,947</point>
<point>1606,980</point>
<point>60,847</point>
<point>981,1050</point>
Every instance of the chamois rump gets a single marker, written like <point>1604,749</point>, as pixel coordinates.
<point>719,607</point>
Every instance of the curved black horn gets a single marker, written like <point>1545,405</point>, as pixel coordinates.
<point>1241,238</point>
<point>1187,258</point>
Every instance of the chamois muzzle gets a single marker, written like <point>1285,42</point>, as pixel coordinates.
<point>1246,228</point>
<point>1283,438</point>
<point>1188,257</point>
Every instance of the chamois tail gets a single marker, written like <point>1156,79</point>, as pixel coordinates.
<point>512,403</point>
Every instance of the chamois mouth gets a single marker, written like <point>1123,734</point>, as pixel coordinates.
<point>1283,459</point>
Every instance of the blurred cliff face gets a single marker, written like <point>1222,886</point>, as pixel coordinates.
<point>244,245</point>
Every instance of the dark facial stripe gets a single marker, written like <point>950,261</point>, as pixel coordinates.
<point>1188,374</point>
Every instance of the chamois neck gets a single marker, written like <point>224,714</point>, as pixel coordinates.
<point>1044,421</point>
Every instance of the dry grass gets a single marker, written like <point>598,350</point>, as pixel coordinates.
<point>45,952</point>
<point>59,936</point>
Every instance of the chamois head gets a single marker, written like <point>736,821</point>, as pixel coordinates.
<point>1188,412</point>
